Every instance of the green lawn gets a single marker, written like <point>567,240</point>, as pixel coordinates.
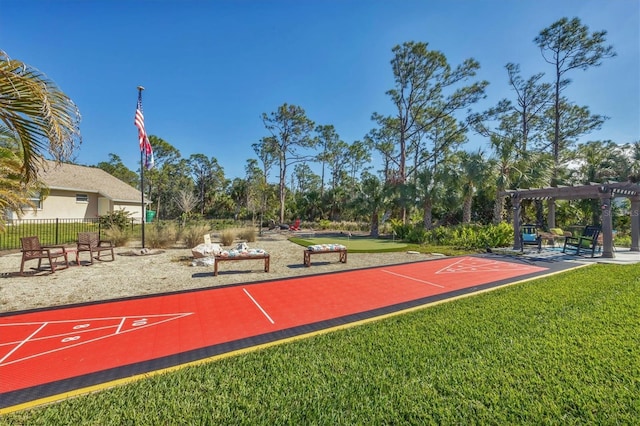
<point>355,244</point>
<point>559,350</point>
<point>377,245</point>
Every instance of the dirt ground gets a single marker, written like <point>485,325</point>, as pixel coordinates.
<point>160,271</point>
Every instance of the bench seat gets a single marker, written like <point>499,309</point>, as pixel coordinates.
<point>234,255</point>
<point>323,249</point>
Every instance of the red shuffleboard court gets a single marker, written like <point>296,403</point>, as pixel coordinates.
<point>54,353</point>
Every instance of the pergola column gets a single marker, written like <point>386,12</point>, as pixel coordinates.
<point>551,212</point>
<point>515,202</point>
<point>635,223</point>
<point>607,225</point>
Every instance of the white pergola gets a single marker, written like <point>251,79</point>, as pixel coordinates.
<point>605,192</point>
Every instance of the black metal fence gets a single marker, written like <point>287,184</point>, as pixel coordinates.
<point>50,231</point>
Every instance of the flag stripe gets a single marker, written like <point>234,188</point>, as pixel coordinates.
<point>143,140</point>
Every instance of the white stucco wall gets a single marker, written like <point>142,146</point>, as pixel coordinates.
<point>63,205</point>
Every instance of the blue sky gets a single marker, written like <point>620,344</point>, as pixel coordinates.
<point>211,68</point>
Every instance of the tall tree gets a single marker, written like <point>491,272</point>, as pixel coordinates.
<point>522,118</point>
<point>168,175</point>
<point>427,89</point>
<point>632,168</point>
<point>328,139</point>
<point>255,179</point>
<point>115,167</point>
<point>567,45</point>
<point>358,157</point>
<point>289,140</point>
<point>266,152</point>
<point>474,170</point>
<point>209,180</point>
<point>371,200</point>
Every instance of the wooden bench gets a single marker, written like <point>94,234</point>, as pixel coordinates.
<point>324,249</point>
<point>240,256</point>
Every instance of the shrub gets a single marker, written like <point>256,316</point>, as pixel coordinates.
<point>119,237</point>
<point>400,229</point>
<point>161,235</point>
<point>471,237</point>
<point>439,235</point>
<point>248,234</point>
<point>115,219</point>
<point>417,235</point>
<point>194,234</point>
<point>324,224</point>
<point>227,237</point>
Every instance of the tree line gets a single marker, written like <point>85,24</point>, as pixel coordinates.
<point>426,176</point>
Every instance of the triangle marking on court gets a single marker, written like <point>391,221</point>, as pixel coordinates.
<point>26,340</point>
<point>475,264</point>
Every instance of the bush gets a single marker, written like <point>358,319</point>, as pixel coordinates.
<point>400,229</point>
<point>194,234</point>
<point>119,237</point>
<point>161,235</point>
<point>115,219</point>
<point>248,234</point>
<point>471,237</point>
<point>324,224</point>
<point>227,237</point>
<point>417,235</point>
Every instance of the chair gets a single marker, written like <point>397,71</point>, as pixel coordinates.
<point>529,236</point>
<point>91,242</point>
<point>588,241</point>
<point>295,226</point>
<point>31,250</point>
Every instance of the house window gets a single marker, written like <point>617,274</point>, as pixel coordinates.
<point>82,198</point>
<point>36,202</point>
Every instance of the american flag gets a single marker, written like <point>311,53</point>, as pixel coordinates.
<point>145,146</point>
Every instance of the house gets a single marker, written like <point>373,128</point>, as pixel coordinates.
<point>80,192</point>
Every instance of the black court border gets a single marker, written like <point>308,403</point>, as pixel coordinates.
<point>46,390</point>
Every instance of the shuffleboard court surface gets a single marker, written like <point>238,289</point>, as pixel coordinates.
<point>51,353</point>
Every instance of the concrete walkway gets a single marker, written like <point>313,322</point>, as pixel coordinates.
<point>554,254</point>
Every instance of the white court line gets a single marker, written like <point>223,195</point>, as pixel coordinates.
<point>414,279</point>
<point>258,305</point>
<point>44,324</point>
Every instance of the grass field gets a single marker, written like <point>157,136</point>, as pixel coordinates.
<point>564,349</point>
<point>355,244</point>
<point>375,245</point>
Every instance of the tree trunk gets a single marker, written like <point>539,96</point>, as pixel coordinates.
<point>375,224</point>
<point>498,210</point>
<point>427,215</point>
<point>466,209</point>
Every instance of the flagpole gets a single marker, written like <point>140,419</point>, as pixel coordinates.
<point>140,89</point>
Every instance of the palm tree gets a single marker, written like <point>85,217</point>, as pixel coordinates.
<point>15,194</point>
<point>38,115</point>
<point>474,170</point>
<point>371,200</point>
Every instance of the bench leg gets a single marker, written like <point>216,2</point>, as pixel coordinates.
<point>215,268</point>
<point>307,259</point>
<point>343,256</point>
